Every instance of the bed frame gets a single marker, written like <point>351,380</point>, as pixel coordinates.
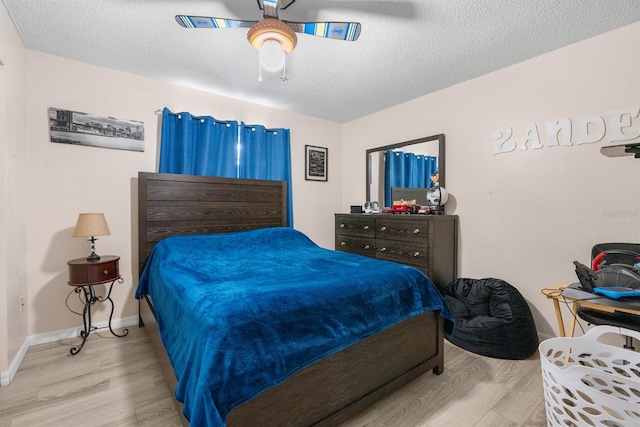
<point>331,390</point>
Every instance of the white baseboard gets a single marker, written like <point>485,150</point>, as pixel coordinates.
<point>74,332</point>
<point>7,377</point>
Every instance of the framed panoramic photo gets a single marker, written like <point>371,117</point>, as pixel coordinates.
<point>73,127</point>
<point>316,166</point>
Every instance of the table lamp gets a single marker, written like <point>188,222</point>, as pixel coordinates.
<point>91,225</point>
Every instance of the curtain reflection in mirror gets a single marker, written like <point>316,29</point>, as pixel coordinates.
<point>408,170</point>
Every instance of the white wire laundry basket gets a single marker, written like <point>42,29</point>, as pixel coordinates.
<point>589,383</point>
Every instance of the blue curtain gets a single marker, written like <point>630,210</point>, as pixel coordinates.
<point>266,154</point>
<point>205,146</point>
<point>193,145</point>
<point>407,170</point>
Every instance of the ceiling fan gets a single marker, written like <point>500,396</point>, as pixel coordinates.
<point>629,149</point>
<point>272,36</point>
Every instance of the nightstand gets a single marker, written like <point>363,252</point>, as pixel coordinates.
<point>84,274</point>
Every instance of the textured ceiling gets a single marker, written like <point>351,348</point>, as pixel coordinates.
<point>407,48</point>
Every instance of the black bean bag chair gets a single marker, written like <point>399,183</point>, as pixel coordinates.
<point>492,319</point>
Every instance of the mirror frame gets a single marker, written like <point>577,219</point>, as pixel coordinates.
<point>441,157</point>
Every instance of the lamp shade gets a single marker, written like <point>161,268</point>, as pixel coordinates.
<point>91,224</point>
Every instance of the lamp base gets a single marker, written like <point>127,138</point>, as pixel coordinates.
<point>94,256</point>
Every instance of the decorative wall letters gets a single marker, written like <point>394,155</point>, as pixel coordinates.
<point>589,129</point>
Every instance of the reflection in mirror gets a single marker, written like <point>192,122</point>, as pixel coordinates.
<point>375,158</point>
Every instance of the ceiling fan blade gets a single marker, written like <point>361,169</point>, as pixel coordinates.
<point>208,22</point>
<point>629,149</point>
<point>349,31</point>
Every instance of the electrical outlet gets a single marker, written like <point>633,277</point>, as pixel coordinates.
<point>21,304</point>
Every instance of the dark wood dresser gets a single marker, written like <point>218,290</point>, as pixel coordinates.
<point>427,242</point>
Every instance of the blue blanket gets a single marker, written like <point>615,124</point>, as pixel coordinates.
<point>239,313</point>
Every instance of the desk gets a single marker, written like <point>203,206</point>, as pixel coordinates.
<point>578,299</point>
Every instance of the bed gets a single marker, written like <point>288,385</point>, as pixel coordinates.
<point>330,363</point>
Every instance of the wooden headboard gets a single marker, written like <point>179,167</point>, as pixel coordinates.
<point>171,205</point>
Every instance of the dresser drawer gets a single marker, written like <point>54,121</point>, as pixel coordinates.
<point>398,251</point>
<point>404,230</point>
<point>356,225</point>
<point>356,245</point>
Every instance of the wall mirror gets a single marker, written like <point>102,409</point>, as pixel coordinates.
<point>431,145</point>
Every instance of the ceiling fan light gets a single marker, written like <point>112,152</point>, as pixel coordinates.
<point>271,29</point>
<point>271,56</point>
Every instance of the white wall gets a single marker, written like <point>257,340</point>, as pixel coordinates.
<point>13,207</point>
<point>65,180</point>
<point>525,215</point>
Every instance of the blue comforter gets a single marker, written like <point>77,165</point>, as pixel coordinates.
<point>240,312</point>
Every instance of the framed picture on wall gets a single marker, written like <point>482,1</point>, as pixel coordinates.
<point>316,166</point>
<point>73,127</point>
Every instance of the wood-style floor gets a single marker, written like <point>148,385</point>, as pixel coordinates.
<point>118,382</point>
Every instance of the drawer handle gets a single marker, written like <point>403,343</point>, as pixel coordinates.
<point>366,227</point>
<point>367,246</point>
<point>416,254</point>
<point>341,225</point>
<point>105,272</point>
<point>343,243</point>
<point>383,249</point>
<point>383,228</point>
<point>416,231</point>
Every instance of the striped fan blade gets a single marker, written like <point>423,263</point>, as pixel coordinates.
<point>349,31</point>
<point>207,22</point>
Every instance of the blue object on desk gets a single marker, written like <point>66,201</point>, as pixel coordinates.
<point>616,292</point>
